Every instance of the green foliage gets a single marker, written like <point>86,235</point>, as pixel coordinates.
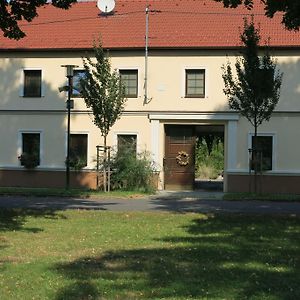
<point>209,160</point>
<point>77,163</point>
<point>29,161</point>
<point>256,89</point>
<point>132,171</point>
<point>11,12</point>
<point>102,91</point>
<point>289,8</point>
<point>61,192</point>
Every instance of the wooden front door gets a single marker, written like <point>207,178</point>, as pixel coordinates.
<point>179,161</point>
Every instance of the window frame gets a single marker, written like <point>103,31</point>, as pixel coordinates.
<point>79,95</point>
<point>22,83</point>
<point>20,144</point>
<point>127,135</point>
<point>88,145</point>
<point>184,82</point>
<point>187,73</point>
<point>274,142</point>
<point>137,70</point>
<point>116,134</point>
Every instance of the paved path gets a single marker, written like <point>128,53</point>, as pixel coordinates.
<point>165,201</point>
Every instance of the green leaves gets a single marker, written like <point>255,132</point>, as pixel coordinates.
<point>15,10</point>
<point>255,90</point>
<point>102,90</point>
<point>289,8</point>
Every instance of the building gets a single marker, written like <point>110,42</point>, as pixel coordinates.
<point>188,42</point>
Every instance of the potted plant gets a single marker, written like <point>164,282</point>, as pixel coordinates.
<point>29,160</point>
<point>77,163</point>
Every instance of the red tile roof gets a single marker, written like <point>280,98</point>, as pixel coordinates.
<point>175,24</point>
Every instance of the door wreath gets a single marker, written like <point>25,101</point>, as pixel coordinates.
<point>182,158</point>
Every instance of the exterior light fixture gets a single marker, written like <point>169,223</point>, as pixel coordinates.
<point>69,89</point>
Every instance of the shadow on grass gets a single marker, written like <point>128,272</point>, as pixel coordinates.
<point>220,257</point>
<point>13,219</point>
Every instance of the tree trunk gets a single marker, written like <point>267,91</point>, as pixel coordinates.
<point>108,170</point>
<point>98,163</point>
<point>255,156</point>
<point>104,167</point>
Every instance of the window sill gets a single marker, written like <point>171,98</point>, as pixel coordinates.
<point>32,97</point>
<point>263,172</point>
<point>195,97</point>
<point>30,169</point>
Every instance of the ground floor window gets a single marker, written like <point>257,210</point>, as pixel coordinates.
<point>30,156</point>
<point>127,143</point>
<point>78,150</point>
<point>264,150</point>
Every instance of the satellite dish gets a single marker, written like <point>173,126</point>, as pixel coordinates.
<point>106,6</point>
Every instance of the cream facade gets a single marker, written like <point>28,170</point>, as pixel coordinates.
<point>166,104</point>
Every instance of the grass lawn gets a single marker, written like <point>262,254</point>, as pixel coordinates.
<point>59,192</point>
<point>105,255</point>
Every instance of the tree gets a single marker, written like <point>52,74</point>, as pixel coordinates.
<point>13,11</point>
<point>289,8</point>
<point>256,89</point>
<point>103,92</point>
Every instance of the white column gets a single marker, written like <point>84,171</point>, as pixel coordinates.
<point>155,140</point>
<point>231,145</point>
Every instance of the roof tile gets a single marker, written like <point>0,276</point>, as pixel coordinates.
<point>172,24</point>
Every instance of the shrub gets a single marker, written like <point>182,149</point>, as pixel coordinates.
<point>209,164</point>
<point>77,163</point>
<point>132,171</point>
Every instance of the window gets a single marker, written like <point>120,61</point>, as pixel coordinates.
<point>195,83</point>
<point>130,80</point>
<point>264,153</point>
<point>78,150</point>
<point>127,143</point>
<point>180,134</point>
<point>78,74</point>
<point>30,148</point>
<point>32,83</point>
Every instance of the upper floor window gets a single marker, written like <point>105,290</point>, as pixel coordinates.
<point>32,83</point>
<point>129,79</point>
<point>78,75</point>
<point>195,83</point>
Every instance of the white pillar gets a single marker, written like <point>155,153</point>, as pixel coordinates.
<point>231,145</point>
<point>155,141</point>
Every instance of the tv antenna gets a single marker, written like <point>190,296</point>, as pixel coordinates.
<point>106,6</point>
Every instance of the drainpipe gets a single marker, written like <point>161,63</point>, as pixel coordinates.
<point>146,56</point>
